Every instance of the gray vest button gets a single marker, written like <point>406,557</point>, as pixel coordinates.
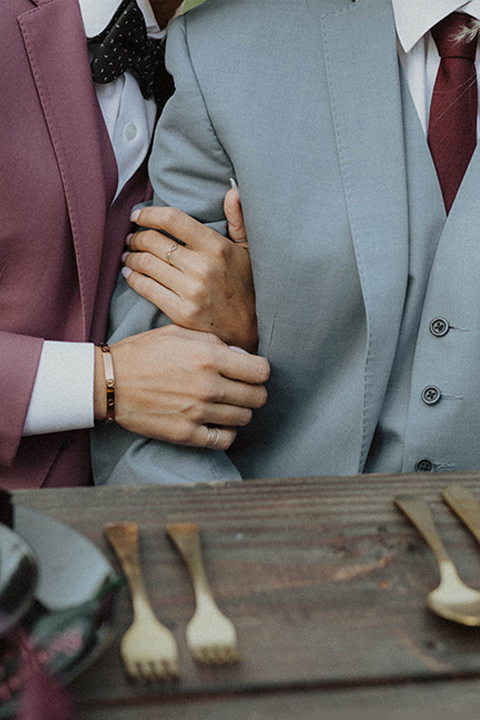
<point>431,395</point>
<point>424,466</point>
<point>439,327</point>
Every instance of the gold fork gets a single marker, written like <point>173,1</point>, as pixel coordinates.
<point>148,648</point>
<point>211,636</point>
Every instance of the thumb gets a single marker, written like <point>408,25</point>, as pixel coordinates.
<point>234,215</point>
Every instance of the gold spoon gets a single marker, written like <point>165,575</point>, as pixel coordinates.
<point>452,599</point>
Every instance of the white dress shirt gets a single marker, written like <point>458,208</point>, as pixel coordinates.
<point>416,47</point>
<point>62,397</point>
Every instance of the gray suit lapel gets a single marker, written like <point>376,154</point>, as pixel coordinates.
<point>363,76</point>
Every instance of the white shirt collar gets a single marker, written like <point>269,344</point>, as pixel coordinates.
<point>414,18</point>
<point>96,15</point>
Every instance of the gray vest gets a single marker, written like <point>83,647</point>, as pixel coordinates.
<point>430,421</point>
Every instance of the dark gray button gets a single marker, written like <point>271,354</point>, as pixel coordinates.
<point>439,327</point>
<point>431,395</point>
<point>424,466</point>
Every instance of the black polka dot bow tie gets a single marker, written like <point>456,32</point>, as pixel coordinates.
<point>124,45</point>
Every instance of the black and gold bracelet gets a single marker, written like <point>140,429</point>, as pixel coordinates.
<point>110,381</point>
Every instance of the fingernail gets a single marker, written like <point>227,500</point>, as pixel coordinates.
<point>124,256</point>
<point>238,349</point>
<point>126,271</point>
<point>134,215</point>
<point>234,185</point>
<point>128,238</point>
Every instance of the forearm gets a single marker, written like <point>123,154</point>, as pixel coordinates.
<point>204,281</point>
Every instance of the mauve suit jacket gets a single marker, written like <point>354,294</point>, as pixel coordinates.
<point>60,238</point>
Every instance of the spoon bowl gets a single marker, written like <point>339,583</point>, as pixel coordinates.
<point>454,600</point>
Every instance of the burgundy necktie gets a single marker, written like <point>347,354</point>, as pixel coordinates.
<point>452,130</point>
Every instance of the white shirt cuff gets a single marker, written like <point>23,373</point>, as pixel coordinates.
<point>62,397</point>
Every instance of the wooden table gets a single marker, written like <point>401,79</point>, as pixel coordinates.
<point>325,580</point>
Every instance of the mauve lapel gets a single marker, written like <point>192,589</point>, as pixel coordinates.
<point>55,44</point>
<point>364,83</point>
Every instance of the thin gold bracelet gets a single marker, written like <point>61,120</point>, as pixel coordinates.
<point>110,381</point>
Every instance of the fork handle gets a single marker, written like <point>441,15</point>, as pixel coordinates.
<point>186,538</point>
<point>419,512</point>
<point>123,537</point>
<point>464,503</point>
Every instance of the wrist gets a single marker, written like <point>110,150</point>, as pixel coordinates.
<point>104,385</point>
<point>99,387</point>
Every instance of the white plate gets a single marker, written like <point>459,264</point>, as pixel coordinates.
<point>71,571</point>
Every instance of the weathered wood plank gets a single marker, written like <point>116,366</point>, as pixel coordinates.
<point>432,701</point>
<point>324,578</point>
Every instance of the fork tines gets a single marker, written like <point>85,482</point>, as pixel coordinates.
<point>211,636</point>
<point>148,648</point>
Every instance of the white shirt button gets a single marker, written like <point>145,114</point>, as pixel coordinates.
<point>130,131</point>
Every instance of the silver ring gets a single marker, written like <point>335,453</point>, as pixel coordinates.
<point>171,250</point>
<point>212,438</point>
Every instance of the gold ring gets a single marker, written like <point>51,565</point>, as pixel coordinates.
<point>212,438</point>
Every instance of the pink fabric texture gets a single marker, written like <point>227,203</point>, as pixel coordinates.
<point>42,696</point>
<point>60,239</point>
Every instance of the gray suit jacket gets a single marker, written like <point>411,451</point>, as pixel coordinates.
<point>300,101</point>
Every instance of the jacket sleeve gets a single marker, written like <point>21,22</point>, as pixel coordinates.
<point>195,172</point>
<point>189,168</point>
<point>19,358</point>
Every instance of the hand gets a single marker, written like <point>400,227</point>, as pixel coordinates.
<point>206,284</point>
<point>172,383</point>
